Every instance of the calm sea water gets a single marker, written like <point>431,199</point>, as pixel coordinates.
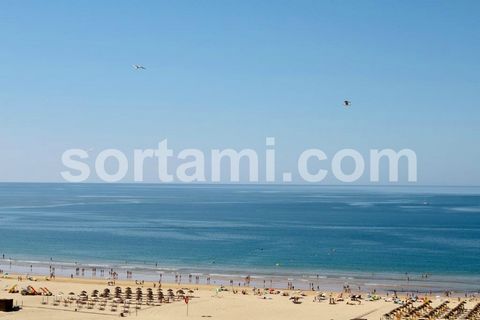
<point>276,229</point>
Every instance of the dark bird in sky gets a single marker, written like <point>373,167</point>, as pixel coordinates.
<point>139,67</point>
<point>347,103</point>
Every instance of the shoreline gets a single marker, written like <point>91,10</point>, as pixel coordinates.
<point>325,280</point>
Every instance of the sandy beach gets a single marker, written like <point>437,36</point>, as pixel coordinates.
<point>206,301</point>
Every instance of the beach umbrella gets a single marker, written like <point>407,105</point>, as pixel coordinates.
<point>128,293</point>
<point>71,296</point>
<point>83,295</point>
<point>139,294</point>
<point>106,293</point>
<point>160,295</point>
<point>149,294</point>
<point>180,294</point>
<point>118,292</point>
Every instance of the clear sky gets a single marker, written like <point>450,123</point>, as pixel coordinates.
<point>227,74</point>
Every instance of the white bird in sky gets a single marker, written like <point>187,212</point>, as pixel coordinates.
<point>139,67</point>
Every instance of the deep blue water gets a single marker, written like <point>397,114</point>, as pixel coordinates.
<point>271,228</point>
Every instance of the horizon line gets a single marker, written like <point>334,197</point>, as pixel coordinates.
<point>241,184</point>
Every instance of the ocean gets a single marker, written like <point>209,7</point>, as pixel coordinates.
<point>309,232</point>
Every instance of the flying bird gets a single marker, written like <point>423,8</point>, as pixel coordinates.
<point>139,67</point>
<point>347,103</point>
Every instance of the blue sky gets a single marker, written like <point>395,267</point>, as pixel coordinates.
<point>227,74</point>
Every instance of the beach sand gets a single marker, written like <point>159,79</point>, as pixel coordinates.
<point>207,303</point>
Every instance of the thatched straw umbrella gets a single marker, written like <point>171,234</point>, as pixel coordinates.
<point>180,294</point>
<point>106,293</point>
<point>160,295</point>
<point>139,294</point>
<point>128,293</point>
<point>170,294</point>
<point>83,295</point>
<point>118,292</point>
<point>70,297</point>
<point>149,294</point>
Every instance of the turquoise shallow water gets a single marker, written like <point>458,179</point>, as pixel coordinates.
<point>262,229</point>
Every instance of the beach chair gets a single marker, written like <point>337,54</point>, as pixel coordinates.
<point>56,302</point>
<point>126,309</point>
